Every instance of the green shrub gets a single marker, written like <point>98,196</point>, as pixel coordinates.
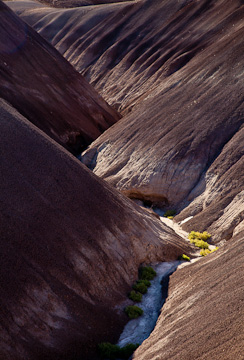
<point>127,351</point>
<point>147,273</point>
<point>205,252</point>
<point>200,243</point>
<point>170,217</point>
<point>133,312</point>
<point>184,257</point>
<point>135,296</point>
<point>140,286</point>
<point>199,239</point>
<point>199,236</point>
<point>169,213</point>
<point>110,351</point>
<point>146,282</point>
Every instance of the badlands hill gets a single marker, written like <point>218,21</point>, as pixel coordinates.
<point>46,89</point>
<point>176,69</point>
<point>70,249</point>
<point>203,316</point>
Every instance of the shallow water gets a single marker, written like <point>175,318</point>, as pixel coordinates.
<point>137,330</point>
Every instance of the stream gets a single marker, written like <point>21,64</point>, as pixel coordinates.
<point>137,330</point>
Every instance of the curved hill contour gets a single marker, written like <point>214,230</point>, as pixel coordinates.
<point>203,315</point>
<point>178,67</point>
<point>46,89</point>
<point>70,248</point>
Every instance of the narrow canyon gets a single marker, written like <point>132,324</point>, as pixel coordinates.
<point>114,114</point>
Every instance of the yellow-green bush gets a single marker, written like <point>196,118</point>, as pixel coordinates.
<point>205,252</point>
<point>201,244</point>
<point>169,213</point>
<point>199,236</point>
<point>184,257</point>
<point>199,239</point>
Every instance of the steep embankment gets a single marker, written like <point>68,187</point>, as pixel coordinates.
<point>179,66</point>
<point>70,248</point>
<point>183,142</point>
<point>203,315</point>
<point>46,89</point>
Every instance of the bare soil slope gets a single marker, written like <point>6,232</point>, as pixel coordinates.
<point>70,248</point>
<point>179,67</point>
<point>46,89</point>
<point>203,315</point>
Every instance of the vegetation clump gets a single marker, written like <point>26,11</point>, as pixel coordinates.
<point>146,282</point>
<point>111,351</point>
<point>140,286</point>
<point>201,244</point>
<point>135,296</point>
<point>147,273</point>
<point>170,214</point>
<point>195,235</point>
<point>184,257</point>
<point>133,311</point>
<point>205,252</point>
<point>199,239</point>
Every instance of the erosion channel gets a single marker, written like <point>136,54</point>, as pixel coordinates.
<point>137,330</point>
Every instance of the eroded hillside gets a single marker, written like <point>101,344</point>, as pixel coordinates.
<point>179,67</point>
<point>203,316</point>
<point>70,246</point>
<point>175,70</point>
<point>46,89</point>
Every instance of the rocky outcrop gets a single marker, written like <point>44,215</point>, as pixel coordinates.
<point>70,248</point>
<point>203,315</point>
<point>46,89</point>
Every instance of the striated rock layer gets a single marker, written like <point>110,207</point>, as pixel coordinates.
<point>46,89</point>
<point>203,315</point>
<point>179,67</point>
<point>182,145</point>
<point>70,248</point>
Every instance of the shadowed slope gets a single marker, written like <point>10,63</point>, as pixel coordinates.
<point>182,63</point>
<point>203,315</point>
<point>45,88</point>
<point>185,139</point>
<point>179,66</point>
<point>70,248</point>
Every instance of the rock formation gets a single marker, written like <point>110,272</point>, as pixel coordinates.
<point>70,246</point>
<point>46,89</point>
<point>178,67</point>
<point>175,71</point>
<point>203,315</point>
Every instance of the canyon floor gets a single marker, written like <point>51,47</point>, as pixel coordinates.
<point>111,111</point>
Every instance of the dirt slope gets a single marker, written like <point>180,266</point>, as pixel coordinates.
<point>70,248</point>
<point>46,89</point>
<point>183,143</point>
<point>178,67</point>
<point>203,315</point>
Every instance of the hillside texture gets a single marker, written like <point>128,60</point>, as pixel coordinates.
<point>70,248</point>
<point>176,69</point>
<point>46,89</point>
<point>203,315</point>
